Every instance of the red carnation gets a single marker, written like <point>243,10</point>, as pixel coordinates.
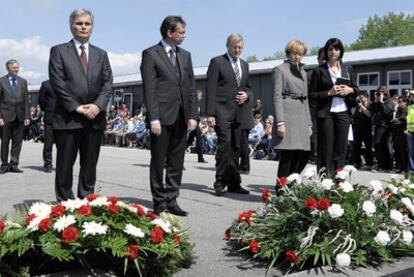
<point>132,252</point>
<point>227,234</point>
<point>57,210</point>
<point>2,226</point>
<point>30,218</point>
<point>391,196</point>
<point>92,196</point>
<point>113,209</point>
<point>44,225</point>
<point>265,195</point>
<point>157,235</point>
<point>311,203</point>
<point>281,182</point>
<point>176,238</point>
<point>152,215</point>
<point>70,234</point>
<point>246,216</point>
<point>113,199</point>
<point>84,210</point>
<point>292,257</point>
<point>338,170</point>
<point>140,209</point>
<point>254,247</point>
<point>404,210</point>
<point>324,204</point>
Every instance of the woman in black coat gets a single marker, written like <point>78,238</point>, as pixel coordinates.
<point>334,90</point>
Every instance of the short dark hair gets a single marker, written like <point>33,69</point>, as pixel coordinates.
<point>320,52</point>
<point>364,93</point>
<point>335,43</point>
<point>170,24</point>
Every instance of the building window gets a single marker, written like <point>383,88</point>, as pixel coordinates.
<point>369,82</point>
<point>399,80</point>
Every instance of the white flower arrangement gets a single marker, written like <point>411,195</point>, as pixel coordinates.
<point>134,231</point>
<point>94,228</point>
<point>335,211</point>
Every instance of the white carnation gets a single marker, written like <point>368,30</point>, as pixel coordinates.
<point>327,184</point>
<point>376,187</point>
<point>94,228</point>
<point>350,168</point>
<point>164,224</point>
<point>407,202</point>
<point>74,204</point>
<point>392,188</point>
<point>406,182</point>
<point>369,208</point>
<point>397,217</point>
<point>309,172</point>
<point>343,259</point>
<point>34,223</point>
<point>382,238</point>
<point>407,237</point>
<point>134,231</point>
<point>335,210</point>
<point>40,209</point>
<point>295,177</point>
<point>346,186</point>
<point>411,186</point>
<point>63,222</point>
<point>342,175</point>
<point>100,201</point>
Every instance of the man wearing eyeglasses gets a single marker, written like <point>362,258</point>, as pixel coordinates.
<point>169,90</point>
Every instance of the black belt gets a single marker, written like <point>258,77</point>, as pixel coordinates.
<point>294,96</point>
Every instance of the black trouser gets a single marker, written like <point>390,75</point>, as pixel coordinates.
<point>401,148</point>
<point>199,142</point>
<point>382,153</point>
<point>48,145</point>
<point>167,151</point>
<point>362,134</point>
<point>14,131</point>
<point>228,152</point>
<point>332,141</point>
<point>68,142</point>
<point>314,138</point>
<point>244,151</point>
<point>292,161</point>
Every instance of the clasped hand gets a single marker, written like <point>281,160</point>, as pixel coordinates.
<point>340,90</point>
<point>89,110</point>
<point>241,97</point>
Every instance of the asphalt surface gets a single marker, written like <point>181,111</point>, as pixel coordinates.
<point>125,173</point>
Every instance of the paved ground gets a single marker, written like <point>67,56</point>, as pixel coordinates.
<point>124,173</point>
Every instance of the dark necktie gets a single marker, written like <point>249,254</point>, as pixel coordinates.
<point>237,72</point>
<point>172,57</point>
<point>14,85</point>
<point>84,59</point>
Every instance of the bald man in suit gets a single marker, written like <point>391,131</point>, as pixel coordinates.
<point>81,77</point>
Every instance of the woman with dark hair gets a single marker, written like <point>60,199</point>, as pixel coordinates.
<point>333,88</point>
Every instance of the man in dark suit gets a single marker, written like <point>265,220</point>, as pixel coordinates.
<point>227,94</point>
<point>81,77</point>
<point>14,115</point>
<point>169,90</point>
<point>47,102</point>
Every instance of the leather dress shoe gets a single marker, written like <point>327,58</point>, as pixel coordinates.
<point>15,169</point>
<point>238,189</point>
<point>4,169</point>
<point>176,210</point>
<point>219,188</point>
<point>159,210</point>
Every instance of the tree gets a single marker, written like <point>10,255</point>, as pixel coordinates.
<point>390,30</point>
<point>252,59</point>
<point>278,55</point>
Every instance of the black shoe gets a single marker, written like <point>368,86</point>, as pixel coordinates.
<point>4,169</point>
<point>176,210</point>
<point>48,169</point>
<point>160,209</point>
<point>219,188</point>
<point>238,189</point>
<point>15,169</point>
<point>244,171</point>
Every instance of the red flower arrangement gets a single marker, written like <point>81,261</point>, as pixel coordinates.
<point>113,209</point>
<point>30,218</point>
<point>70,234</point>
<point>281,182</point>
<point>57,210</point>
<point>84,210</point>
<point>324,204</point>
<point>254,247</point>
<point>311,203</point>
<point>157,235</point>
<point>132,252</point>
<point>265,194</point>
<point>44,225</point>
<point>292,257</point>
<point>2,226</point>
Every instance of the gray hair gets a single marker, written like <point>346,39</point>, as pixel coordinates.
<point>10,62</point>
<point>234,36</point>
<point>79,12</point>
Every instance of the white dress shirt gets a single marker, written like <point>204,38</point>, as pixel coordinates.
<point>338,103</point>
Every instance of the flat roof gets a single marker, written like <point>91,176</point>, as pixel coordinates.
<point>367,56</point>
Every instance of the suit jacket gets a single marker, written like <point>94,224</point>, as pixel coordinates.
<point>47,102</point>
<point>221,91</point>
<point>290,105</point>
<point>321,83</point>
<point>167,88</point>
<point>74,87</point>
<point>13,106</point>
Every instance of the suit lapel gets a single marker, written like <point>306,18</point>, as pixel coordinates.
<point>71,49</point>
<point>326,74</point>
<point>231,69</point>
<point>161,52</point>
<point>6,84</point>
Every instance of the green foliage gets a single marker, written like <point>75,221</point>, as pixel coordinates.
<point>291,223</point>
<point>252,59</point>
<point>387,31</point>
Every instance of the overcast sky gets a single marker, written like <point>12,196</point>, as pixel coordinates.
<point>126,27</point>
